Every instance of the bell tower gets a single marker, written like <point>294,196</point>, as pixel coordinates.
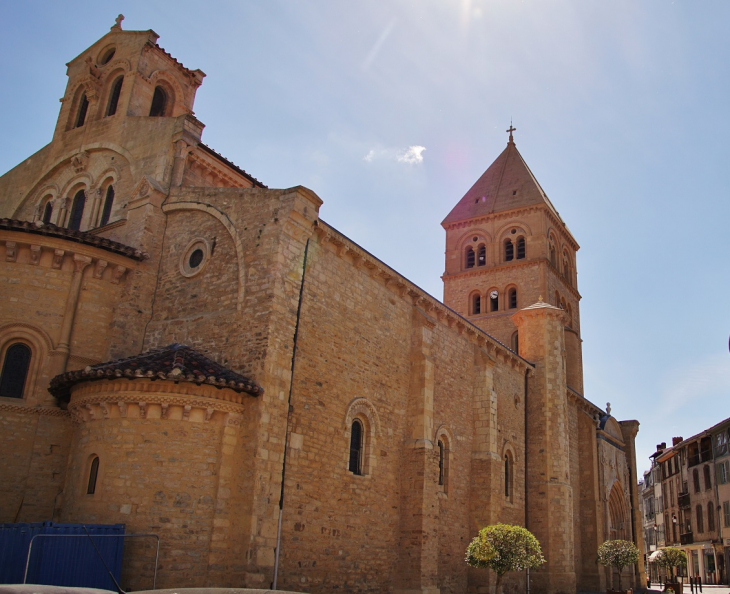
<point>507,248</point>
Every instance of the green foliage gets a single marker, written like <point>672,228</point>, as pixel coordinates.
<point>618,554</point>
<point>671,557</point>
<point>504,548</point>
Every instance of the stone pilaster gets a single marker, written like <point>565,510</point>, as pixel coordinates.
<point>486,463</point>
<point>629,429</point>
<point>418,567</point>
<point>549,492</point>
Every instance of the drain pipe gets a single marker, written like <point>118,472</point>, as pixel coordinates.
<point>288,415</point>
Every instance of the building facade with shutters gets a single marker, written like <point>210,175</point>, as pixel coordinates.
<point>695,484</point>
<point>195,355</point>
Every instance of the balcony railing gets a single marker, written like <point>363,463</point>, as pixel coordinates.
<point>703,456</point>
<point>683,500</point>
<point>686,538</point>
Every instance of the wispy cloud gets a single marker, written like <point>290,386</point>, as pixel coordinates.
<point>411,155</point>
<point>373,53</point>
<point>689,386</point>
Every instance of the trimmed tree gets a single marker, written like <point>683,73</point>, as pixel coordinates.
<point>618,554</point>
<point>670,558</point>
<point>503,548</point>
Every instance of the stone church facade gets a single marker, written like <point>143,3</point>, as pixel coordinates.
<point>195,355</point>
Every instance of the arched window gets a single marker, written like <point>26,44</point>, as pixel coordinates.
<point>15,370</point>
<point>708,480</point>
<point>553,258</point>
<point>710,517</point>
<point>512,299</point>
<point>77,211</point>
<point>476,304</point>
<point>470,257</point>
<point>93,475</point>
<point>521,248</point>
<point>482,255</point>
<point>493,301</point>
<point>509,250</point>
<point>441,462</point>
<point>108,202</point>
<point>47,212</point>
<point>159,102</point>
<point>516,342</point>
<point>700,524</point>
<point>442,443</point>
<point>356,447</point>
<point>508,476</point>
<point>83,108</point>
<point>696,480</point>
<point>114,96</point>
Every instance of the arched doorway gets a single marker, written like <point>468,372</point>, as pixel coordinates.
<point>618,515</point>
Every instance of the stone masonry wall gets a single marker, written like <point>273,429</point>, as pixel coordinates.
<point>355,343</point>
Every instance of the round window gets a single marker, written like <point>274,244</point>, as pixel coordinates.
<point>106,56</point>
<point>195,257</point>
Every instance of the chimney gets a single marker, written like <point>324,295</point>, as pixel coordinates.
<point>660,447</point>
<point>676,440</point>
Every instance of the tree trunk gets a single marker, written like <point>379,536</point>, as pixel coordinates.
<point>619,578</point>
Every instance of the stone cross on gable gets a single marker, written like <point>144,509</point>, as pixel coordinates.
<point>118,22</point>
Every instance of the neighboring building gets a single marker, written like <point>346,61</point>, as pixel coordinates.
<point>695,477</point>
<point>230,372</point>
<point>650,490</point>
<point>720,435</point>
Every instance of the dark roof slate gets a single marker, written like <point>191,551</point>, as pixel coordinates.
<point>175,362</point>
<point>51,230</point>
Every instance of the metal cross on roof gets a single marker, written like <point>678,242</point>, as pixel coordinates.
<point>511,129</point>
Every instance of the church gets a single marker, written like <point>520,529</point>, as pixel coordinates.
<point>192,354</point>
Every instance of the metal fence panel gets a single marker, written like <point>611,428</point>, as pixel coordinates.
<point>61,554</point>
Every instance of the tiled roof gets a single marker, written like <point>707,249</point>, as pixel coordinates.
<point>51,230</point>
<point>507,184</point>
<point>232,165</point>
<point>175,362</point>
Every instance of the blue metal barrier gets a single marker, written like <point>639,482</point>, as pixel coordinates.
<point>60,561</point>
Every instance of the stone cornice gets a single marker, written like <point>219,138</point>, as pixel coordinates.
<point>99,260</point>
<point>516,213</point>
<point>583,404</point>
<point>360,258</point>
<point>47,411</point>
<point>108,399</point>
<point>206,162</point>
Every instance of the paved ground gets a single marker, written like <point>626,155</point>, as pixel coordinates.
<point>686,590</point>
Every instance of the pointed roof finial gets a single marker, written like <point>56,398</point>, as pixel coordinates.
<point>118,23</point>
<point>511,129</point>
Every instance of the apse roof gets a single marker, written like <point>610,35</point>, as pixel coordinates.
<point>175,362</point>
<point>507,184</point>
<point>51,230</point>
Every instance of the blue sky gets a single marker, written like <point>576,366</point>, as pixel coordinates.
<point>391,110</point>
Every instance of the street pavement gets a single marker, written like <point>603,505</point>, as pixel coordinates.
<point>685,590</point>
